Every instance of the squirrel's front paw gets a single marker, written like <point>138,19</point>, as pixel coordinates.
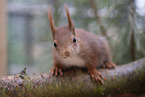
<point>56,70</point>
<point>96,77</point>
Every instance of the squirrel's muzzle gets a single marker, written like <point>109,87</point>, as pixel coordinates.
<point>66,53</point>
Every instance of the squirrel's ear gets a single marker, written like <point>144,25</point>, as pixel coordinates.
<point>70,22</point>
<point>52,26</point>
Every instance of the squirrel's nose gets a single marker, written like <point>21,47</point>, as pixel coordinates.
<point>67,53</point>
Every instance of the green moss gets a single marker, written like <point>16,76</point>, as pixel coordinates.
<point>99,89</point>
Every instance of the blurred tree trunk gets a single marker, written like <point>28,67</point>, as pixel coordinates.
<point>132,28</point>
<point>97,17</point>
<point>3,41</point>
<point>28,39</point>
<point>128,78</point>
<point>56,15</point>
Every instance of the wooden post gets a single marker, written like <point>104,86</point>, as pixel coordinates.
<point>3,52</point>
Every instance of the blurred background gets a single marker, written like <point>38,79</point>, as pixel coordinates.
<point>25,35</point>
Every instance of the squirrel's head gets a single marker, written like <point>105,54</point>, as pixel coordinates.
<point>65,41</point>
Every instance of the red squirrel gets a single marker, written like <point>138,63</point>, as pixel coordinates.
<point>77,47</point>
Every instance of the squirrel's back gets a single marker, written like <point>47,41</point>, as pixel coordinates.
<point>93,47</point>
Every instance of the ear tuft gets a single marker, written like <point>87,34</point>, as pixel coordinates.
<point>52,26</point>
<point>70,22</point>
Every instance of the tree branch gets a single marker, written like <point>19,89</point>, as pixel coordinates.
<point>128,78</point>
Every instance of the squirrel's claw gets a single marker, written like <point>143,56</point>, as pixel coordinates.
<point>56,70</point>
<point>60,72</point>
<point>97,77</point>
<point>52,71</point>
<point>109,65</point>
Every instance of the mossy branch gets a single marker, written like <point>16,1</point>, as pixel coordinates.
<point>128,78</point>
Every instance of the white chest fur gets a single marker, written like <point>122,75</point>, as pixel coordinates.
<point>73,61</point>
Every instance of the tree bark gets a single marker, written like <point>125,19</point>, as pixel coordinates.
<point>128,78</point>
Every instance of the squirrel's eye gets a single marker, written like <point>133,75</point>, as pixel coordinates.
<point>74,40</point>
<point>55,45</point>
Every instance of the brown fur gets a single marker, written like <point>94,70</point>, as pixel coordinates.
<point>90,51</point>
<point>96,48</point>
